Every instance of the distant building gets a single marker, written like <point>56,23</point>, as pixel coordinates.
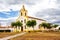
<point>6,29</point>
<point>23,17</point>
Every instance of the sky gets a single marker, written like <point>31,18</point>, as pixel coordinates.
<point>48,10</point>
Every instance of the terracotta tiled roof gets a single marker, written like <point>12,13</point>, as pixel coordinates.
<point>35,18</point>
<point>5,27</point>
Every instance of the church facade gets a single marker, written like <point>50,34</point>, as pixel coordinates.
<point>23,17</point>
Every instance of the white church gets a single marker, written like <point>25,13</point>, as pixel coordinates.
<point>23,17</point>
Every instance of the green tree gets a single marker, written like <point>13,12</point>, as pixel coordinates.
<point>16,24</point>
<point>19,24</point>
<point>28,23</point>
<point>55,25</point>
<point>43,25</point>
<point>46,25</point>
<point>13,24</point>
<point>31,23</point>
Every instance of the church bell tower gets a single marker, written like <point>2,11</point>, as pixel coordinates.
<point>22,16</point>
<point>23,11</point>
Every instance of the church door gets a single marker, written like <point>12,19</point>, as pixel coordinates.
<point>21,28</point>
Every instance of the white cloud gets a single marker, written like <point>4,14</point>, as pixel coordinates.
<point>7,21</point>
<point>45,4</point>
<point>39,4</point>
<point>33,7</point>
<point>8,18</point>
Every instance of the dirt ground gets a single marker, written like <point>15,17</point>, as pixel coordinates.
<point>39,36</point>
<point>5,34</point>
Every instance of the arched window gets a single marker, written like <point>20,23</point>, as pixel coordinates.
<point>25,14</point>
<point>21,14</point>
